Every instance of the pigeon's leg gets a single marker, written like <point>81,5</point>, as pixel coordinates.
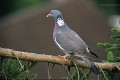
<point>65,56</point>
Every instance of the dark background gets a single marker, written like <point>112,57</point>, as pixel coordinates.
<point>24,27</point>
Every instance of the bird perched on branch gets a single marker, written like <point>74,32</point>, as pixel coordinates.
<point>69,42</point>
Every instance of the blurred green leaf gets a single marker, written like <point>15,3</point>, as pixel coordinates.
<point>9,6</point>
<point>116,37</point>
<point>74,75</point>
<point>107,6</point>
<point>117,59</point>
<point>111,48</point>
<point>104,45</point>
<point>110,56</point>
<point>23,74</point>
<point>115,30</point>
<point>21,4</point>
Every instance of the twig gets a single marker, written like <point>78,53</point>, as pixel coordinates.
<point>98,77</point>
<point>19,62</point>
<point>49,72</point>
<point>69,75</point>
<point>4,75</point>
<point>104,74</point>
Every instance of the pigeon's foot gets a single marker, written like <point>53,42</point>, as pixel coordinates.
<point>65,57</point>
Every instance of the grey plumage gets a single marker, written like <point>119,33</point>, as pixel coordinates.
<point>69,42</point>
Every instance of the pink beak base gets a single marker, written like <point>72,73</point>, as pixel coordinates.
<point>48,15</point>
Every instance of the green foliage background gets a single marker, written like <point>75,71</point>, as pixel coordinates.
<point>12,69</point>
<point>113,55</point>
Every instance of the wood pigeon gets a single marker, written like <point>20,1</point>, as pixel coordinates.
<point>69,42</point>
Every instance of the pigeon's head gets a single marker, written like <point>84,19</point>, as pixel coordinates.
<point>55,14</point>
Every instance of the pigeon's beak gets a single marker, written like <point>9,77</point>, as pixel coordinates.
<point>49,15</point>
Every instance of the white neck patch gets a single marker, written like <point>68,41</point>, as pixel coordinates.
<point>60,22</point>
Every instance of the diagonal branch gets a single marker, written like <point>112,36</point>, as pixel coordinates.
<point>27,56</point>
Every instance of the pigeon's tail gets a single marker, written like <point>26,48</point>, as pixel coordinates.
<point>92,66</point>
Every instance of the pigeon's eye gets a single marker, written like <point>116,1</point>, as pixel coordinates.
<point>53,12</point>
